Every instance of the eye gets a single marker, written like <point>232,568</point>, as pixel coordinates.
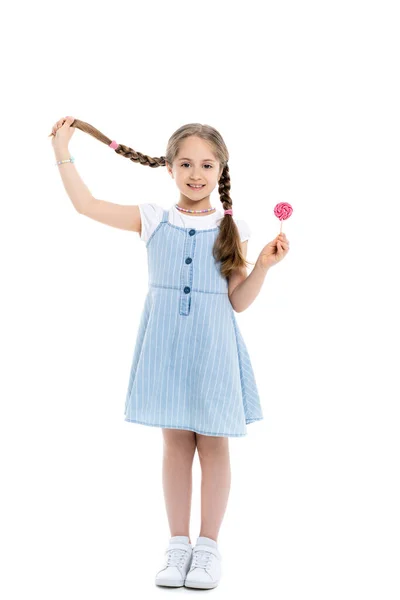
<point>183,164</point>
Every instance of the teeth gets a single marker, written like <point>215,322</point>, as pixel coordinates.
<point>195,186</point>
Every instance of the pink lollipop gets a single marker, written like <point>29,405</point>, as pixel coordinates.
<point>283,210</point>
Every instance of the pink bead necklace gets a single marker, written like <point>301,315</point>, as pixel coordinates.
<point>197,212</point>
<point>205,210</point>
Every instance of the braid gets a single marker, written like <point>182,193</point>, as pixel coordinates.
<point>140,158</point>
<point>125,151</point>
<point>224,187</point>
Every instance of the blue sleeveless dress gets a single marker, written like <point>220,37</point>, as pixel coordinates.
<point>191,368</point>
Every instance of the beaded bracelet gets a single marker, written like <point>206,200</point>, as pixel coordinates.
<point>60,162</point>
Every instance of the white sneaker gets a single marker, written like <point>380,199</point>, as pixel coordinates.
<point>205,570</point>
<point>177,562</point>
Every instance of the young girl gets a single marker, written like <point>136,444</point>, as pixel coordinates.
<point>191,373</point>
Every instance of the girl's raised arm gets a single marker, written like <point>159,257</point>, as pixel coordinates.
<point>116,215</point>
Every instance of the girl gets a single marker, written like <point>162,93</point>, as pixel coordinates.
<point>191,373</point>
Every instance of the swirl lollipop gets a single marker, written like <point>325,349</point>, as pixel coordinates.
<point>283,210</point>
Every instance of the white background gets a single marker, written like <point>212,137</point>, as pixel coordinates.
<point>306,96</point>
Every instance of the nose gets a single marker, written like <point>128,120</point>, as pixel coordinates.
<point>196,174</point>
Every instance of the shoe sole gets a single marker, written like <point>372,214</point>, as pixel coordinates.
<point>201,585</point>
<point>170,583</point>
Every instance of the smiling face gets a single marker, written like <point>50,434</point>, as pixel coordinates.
<point>195,164</point>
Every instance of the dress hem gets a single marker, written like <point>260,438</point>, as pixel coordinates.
<point>192,429</point>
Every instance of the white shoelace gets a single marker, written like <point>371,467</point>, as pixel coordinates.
<point>175,557</point>
<point>202,559</point>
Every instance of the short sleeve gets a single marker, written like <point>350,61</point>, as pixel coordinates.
<point>244,230</point>
<point>151,215</point>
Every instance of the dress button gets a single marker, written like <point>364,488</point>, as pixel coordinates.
<point>186,290</point>
<point>192,232</point>
<point>188,260</point>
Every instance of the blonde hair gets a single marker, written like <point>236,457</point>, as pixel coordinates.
<point>227,248</point>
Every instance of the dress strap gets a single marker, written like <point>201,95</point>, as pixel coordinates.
<point>165,216</point>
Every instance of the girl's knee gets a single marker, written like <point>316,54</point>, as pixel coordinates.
<point>179,438</point>
<point>209,445</point>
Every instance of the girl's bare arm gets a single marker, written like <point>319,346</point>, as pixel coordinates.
<point>116,215</point>
<point>243,288</point>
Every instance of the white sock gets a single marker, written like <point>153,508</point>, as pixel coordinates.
<point>181,539</point>
<point>206,541</point>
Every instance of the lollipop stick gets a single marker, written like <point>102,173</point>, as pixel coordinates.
<point>281,225</point>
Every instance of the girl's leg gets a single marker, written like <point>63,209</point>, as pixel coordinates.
<point>213,453</point>
<point>179,449</point>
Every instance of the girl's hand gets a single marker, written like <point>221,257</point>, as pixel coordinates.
<point>274,251</point>
<point>62,132</point>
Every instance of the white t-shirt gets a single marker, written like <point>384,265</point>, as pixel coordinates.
<point>151,215</point>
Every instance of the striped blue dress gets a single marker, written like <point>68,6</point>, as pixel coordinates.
<point>191,368</point>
